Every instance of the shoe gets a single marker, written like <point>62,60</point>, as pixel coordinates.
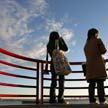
<point>103,103</point>
<point>93,103</point>
<point>62,101</point>
<point>52,101</point>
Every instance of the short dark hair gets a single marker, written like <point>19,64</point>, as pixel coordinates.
<point>91,33</point>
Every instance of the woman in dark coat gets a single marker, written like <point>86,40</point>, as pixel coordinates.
<point>50,47</point>
<point>95,66</point>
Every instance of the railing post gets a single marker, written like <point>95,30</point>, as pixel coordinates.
<point>37,84</point>
<point>42,83</point>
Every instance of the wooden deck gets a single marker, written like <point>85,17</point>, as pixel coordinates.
<point>56,106</point>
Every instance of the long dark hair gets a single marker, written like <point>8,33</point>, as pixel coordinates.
<point>53,36</point>
<point>91,33</point>
<point>51,44</point>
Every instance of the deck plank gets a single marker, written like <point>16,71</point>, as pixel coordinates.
<point>55,106</point>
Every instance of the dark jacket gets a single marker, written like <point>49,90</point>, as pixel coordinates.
<point>95,66</point>
<point>51,46</point>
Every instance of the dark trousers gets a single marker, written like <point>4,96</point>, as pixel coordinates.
<point>54,84</point>
<point>100,90</point>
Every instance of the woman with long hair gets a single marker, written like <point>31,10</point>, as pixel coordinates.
<point>50,47</point>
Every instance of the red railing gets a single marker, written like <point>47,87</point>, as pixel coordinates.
<point>71,95</point>
<point>36,69</point>
<point>40,81</point>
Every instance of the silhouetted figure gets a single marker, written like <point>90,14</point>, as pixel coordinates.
<point>95,65</point>
<point>50,47</point>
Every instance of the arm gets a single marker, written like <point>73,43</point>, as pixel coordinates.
<point>101,47</point>
<point>62,44</point>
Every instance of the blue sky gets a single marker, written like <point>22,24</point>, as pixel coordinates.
<point>25,26</point>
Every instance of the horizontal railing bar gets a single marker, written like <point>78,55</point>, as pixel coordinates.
<point>16,85</point>
<point>16,55</point>
<point>75,79</point>
<point>106,60</point>
<point>49,79</point>
<point>75,87</point>
<point>34,60</point>
<point>76,63</point>
<point>80,63</point>
<point>15,75</point>
<point>107,69</point>
<point>47,87</point>
<point>81,96</point>
<point>77,71</point>
<point>71,72</point>
<point>72,96</point>
<point>16,95</point>
<point>66,79</point>
<point>20,56</point>
<point>17,66</point>
<point>69,96</point>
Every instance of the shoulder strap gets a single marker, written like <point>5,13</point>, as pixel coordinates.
<point>57,44</point>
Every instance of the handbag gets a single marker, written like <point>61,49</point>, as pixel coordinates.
<point>60,61</point>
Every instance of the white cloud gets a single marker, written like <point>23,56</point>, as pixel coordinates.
<point>67,33</point>
<point>14,17</point>
<point>14,29</point>
<point>12,23</point>
<point>74,42</point>
<point>37,50</point>
<point>52,25</point>
<point>76,25</point>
